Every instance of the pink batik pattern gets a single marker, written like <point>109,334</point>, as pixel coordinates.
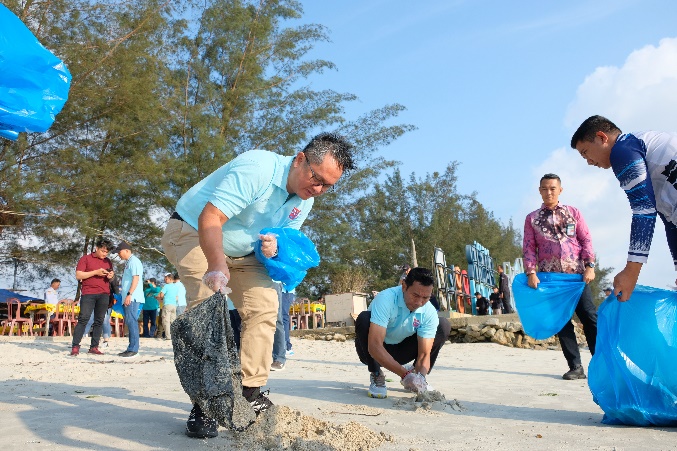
<point>547,245</point>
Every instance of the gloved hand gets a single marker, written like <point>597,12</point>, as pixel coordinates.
<point>268,245</point>
<point>216,281</point>
<point>415,382</point>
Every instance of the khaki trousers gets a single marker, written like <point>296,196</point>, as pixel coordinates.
<point>168,317</point>
<point>254,296</point>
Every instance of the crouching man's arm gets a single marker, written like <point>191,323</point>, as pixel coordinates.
<point>425,346</point>
<point>377,335</point>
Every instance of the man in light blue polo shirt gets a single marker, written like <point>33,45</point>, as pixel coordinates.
<point>132,296</point>
<point>212,233</point>
<point>401,326</point>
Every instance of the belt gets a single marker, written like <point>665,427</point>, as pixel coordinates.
<point>175,215</point>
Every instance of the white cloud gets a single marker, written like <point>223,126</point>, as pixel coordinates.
<point>639,95</point>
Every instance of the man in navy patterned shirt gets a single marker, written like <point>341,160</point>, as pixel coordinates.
<point>645,164</point>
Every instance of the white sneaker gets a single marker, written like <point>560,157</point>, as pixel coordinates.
<point>377,386</point>
<point>104,344</point>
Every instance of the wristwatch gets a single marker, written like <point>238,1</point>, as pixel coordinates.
<point>129,294</point>
<point>590,265</point>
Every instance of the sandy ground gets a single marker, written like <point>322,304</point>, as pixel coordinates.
<point>506,398</point>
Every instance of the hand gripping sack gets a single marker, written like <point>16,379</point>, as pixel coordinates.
<point>208,363</point>
<point>633,374</point>
<point>545,310</point>
<point>295,255</point>
<point>34,83</point>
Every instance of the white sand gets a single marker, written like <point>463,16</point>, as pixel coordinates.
<point>495,398</point>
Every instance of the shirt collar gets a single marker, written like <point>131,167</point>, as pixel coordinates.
<point>557,207</point>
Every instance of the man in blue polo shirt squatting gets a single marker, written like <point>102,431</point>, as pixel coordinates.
<point>211,236</point>
<point>401,326</point>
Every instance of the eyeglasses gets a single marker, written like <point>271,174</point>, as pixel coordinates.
<point>316,181</point>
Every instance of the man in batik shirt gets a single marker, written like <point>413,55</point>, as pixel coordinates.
<point>556,239</point>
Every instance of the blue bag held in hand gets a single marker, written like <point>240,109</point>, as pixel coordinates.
<point>633,374</point>
<point>546,309</point>
<point>34,83</point>
<point>295,255</point>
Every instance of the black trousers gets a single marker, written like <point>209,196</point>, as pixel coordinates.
<point>404,351</point>
<point>97,303</point>
<point>587,313</point>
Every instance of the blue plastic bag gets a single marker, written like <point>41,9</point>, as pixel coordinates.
<point>545,310</point>
<point>633,374</point>
<point>295,255</point>
<point>34,83</point>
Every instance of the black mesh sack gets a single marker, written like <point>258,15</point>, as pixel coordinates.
<point>208,363</point>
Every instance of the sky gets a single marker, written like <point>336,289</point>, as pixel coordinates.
<point>501,87</point>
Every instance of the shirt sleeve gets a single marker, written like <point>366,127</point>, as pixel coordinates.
<point>380,309</point>
<point>583,236</point>
<point>82,264</point>
<point>529,246</point>
<point>629,166</point>
<point>137,268</point>
<point>242,184</point>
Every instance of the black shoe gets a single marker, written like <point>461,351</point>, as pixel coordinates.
<point>128,354</point>
<point>576,373</point>
<point>259,401</point>
<point>199,425</point>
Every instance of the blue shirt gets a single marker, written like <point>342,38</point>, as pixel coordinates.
<point>181,293</point>
<point>645,165</point>
<point>251,190</point>
<point>389,310</point>
<point>170,292</point>
<point>133,267</point>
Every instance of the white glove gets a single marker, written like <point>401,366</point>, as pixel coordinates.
<point>216,281</point>
<point>268,245</point>
<point>415,382</point>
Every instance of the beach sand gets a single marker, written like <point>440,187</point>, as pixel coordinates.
<point>494,398</point>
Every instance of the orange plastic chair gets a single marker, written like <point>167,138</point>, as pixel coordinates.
<point>118,326</point>
<point>64,316</point>
<point>14,318</point>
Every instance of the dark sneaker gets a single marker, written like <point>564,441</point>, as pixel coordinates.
<point>576,373</point>
<point>95,351</point>
<point>258,400</point>
<point>199,425</point>
<point>75,350</point>
<point>276,366</point>
<point>128,354</point>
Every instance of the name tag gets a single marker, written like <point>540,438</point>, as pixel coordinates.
<point>571,229</point>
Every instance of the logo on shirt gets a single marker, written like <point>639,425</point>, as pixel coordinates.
<point>416,323</point>
<point>294,213</point>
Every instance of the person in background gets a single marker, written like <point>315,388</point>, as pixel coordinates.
<point>169,295</point>
<point>504,289</point>
<point>279,339</point>
<point>481,304</point>
<point>399,327</point>
<point>132,296</point>
<point>288,298</point>
<point>94,271</point>
<point>150,308</point>
<point>51,296</point>
<point>181,295</point>
<point>557,239</point>
<point>496,303</point>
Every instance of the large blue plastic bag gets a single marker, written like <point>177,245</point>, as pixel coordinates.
<point>633,374</point>
<point>34,83</point>
<point>545,310</point>
<point>296,254</point>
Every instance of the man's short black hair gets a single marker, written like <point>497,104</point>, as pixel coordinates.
<point>420,275</point>
<point>333,144</point>
<point>589,128</point>
<point>550,176</point>
<point>55,280</point>
<point>104,243</point>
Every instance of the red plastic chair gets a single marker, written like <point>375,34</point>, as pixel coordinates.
<point>14,318</point>
<point>118,326</point>
<point>64,316</point>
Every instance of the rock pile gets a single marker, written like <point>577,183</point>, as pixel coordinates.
<point>506,333</point>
